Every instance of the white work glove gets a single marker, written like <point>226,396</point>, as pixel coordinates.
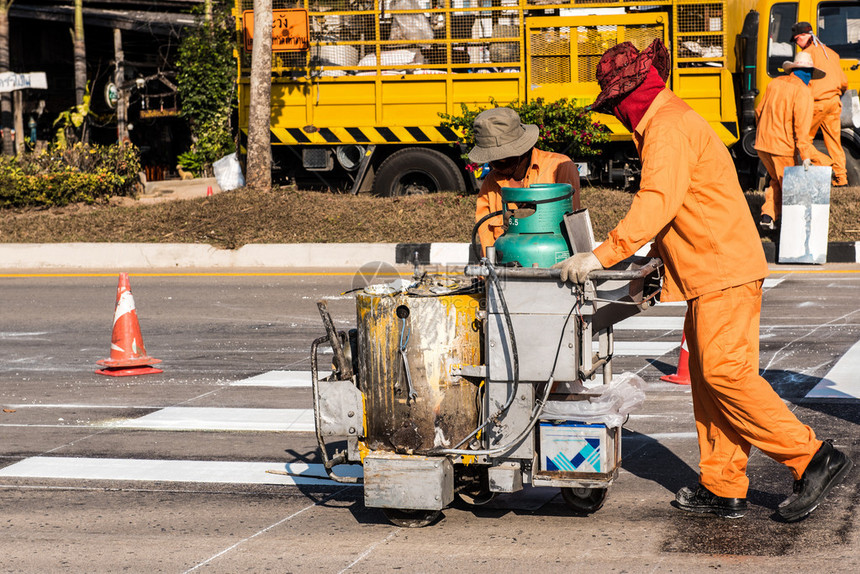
<point>577,268</point>
<point>806,163</point>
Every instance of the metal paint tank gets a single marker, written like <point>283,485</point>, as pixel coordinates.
<point>536,239</point>
<point>436,326</point>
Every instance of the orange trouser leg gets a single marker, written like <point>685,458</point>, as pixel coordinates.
<point>827,115</point>
<point>775,165</point>
<point>734,407</point>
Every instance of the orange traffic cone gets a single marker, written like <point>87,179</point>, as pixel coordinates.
<point>127,355</point>
<point>682,377</point>
<point>209,191</point>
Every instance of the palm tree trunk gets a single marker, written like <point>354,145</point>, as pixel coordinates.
<point>259,158</point>
<point>5,97</point>
<point>80,54</point>
<point>119,80</point>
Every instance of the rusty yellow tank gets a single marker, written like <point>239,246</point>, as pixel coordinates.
<point>408,343</point>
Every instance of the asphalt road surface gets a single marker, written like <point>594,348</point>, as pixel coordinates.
<point>167,472</point>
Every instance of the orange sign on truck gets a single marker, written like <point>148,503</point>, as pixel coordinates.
<point>289,30</point>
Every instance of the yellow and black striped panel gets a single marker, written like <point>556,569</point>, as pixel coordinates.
<point>364,135</point>
<point>726,131</point>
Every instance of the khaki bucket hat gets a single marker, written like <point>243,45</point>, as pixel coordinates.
<point>499,133</point>
<point>803,60</point>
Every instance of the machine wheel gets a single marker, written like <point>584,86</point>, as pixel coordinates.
<point>476,498</point>
<point>584,500</point>
<point>417,171</point>
<point>411,518</point>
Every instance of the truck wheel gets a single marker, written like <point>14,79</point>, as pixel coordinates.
<point>411,518</point>
<point>852,165</point>
<point>416,171</point>
<point>584,500</point>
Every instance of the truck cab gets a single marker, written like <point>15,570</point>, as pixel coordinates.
<point>766,41</point>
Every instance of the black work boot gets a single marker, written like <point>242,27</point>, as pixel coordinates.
<point>826,469</point>
<point>766,222</point>
<point>703,500</point>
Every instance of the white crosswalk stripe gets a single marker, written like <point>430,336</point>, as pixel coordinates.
<point>282,379</point>
<point>222,419</point>
<point>230,472</point>
<point>842,381</point>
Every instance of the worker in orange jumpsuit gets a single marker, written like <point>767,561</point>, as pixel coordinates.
<point>508,145</point>
<point>827,94</point>
<point>782,129</point>
<point>690,201</point>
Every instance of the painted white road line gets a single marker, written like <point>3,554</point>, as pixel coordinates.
<point>222,419</point>
<point>646,323</point>
<point>842,382</point>
<point>661,436</point>
<point>772,282</point>
<point>283,379</point>
<point>172,470</point>
<point>642,348</point>
<point>74,406</point>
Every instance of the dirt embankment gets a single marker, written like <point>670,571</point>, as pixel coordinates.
<point>242,216</point>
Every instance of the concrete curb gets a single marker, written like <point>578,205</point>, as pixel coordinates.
<point>299,255</point>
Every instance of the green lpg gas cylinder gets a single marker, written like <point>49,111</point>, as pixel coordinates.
<point>535,239</point>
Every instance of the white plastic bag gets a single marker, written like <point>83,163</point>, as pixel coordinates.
<point>412,27</point>
<point>623,395</point>
<point>402,57</point>
<point>228,172</point>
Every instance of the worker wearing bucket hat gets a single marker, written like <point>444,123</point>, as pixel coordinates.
<point>783,118</point>
<point>508,145</point>
<point>827,97</point>
<point>691,203</point>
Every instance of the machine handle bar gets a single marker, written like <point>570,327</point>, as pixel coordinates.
<point>651,266</point>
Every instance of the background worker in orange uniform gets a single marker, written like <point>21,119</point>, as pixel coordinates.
<point>508,145</point>
<point>782,129</point>
<point>826,93</point>
<point>690,201</point>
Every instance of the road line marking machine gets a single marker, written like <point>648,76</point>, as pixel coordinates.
<point>474,384</point>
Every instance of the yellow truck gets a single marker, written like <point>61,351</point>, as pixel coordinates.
<point>358,85</point>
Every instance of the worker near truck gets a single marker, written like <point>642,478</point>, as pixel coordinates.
<point>508,145</point>
<point>782,129</point>
<point>690,201</point>
<point>827,96</point>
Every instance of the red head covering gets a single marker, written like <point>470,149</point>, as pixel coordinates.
<point>623,68</point>
<point>632,107</point>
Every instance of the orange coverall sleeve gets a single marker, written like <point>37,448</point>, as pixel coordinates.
<point>567,172</point>
<point>802,115</point>
<point>489,200</point>
<point>666,167</point>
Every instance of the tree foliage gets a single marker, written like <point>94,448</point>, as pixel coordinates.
<point>206,80</point>
<point>564,127</point>
<point>70,123</point>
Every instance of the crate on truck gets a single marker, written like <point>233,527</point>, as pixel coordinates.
<point>356,105</point>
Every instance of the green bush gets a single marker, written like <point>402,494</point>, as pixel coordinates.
<point>564,127</point>
<point>62,175</point>
<point>206,82</point>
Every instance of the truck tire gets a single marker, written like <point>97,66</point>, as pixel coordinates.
<point>417,171</point>
<point>852,165</point>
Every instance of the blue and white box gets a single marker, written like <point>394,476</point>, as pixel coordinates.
<point>569,446</point>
